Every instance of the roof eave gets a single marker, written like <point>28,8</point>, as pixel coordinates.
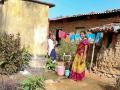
<point>41,2</point>
<point>77,16</point>
<point>35,1</point>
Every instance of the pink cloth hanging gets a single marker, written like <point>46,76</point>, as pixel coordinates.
<point>62,34</point>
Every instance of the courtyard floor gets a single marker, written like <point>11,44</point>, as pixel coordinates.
<point>55,82</point>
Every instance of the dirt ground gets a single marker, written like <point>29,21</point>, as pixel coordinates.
<point>55,82</point>
<point>88,83</point>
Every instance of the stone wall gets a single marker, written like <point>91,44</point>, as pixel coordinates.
<point>30,20</point>
<point>108,59</point>
<point>118,84</point>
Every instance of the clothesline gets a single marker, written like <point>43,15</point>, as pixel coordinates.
<point>72,37</point>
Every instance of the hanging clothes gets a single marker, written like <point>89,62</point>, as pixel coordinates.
<point>88,35</point>
<point>72,37</point>
<point>77,36</point>
<point>67,39</point>
<point>62,34</point>
<point>65,35</point>
<point>91,37</point>
<point>98,37</point>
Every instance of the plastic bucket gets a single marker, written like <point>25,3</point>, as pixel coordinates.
<point>60,70</point>
<point>67,73</point>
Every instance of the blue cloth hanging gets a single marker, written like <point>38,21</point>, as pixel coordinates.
<point>98,37</point>
<point>90,37</point>
<point>72,37</point>
<point>77,37</point>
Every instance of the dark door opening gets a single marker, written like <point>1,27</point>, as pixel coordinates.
<point>57,36</point>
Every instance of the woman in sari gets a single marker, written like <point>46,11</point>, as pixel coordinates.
<point>78,66</point>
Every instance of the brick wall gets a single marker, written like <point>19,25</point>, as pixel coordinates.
<point>70,26</point>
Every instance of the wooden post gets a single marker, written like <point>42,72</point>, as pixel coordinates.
<point>93,52</point>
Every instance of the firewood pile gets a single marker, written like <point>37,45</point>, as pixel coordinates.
<point>108,61</point>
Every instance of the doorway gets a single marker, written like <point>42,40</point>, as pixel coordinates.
<point>57,36</point>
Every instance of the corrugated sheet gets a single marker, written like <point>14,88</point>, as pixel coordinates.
<point>90,14</point>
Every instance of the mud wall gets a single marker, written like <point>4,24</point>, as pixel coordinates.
<point>30,20</point>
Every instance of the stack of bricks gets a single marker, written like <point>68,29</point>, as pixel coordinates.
<point>108,61</point>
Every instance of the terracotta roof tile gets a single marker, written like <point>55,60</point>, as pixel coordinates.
<point>104,28</point>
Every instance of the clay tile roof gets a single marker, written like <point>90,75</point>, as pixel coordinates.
<point>104,28</point>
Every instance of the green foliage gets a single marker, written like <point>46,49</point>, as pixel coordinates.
<point>26,56</point>
<point>87,64</point>
<point>12,57</point>
<point>50,65</point>
<point>33,83</point>
<point>67,48</point>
